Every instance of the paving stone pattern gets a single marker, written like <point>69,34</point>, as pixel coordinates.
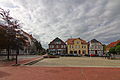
<point>78,62</point>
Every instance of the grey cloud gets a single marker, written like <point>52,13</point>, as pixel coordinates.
<point>88,19</point>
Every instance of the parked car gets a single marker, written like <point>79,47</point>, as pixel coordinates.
<point>75,54</point>
<point>61,54</point>
<point>52,53</point>
<point>93,55</point>
<point>71,55</point>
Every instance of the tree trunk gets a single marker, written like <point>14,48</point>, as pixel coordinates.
<point>8,54</point>
<point>0,51</point>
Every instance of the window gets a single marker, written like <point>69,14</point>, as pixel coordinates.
<point>59,42</point>
<point>52,46</point>
<point>72,46</point>
<point>84,52</point>
<point>56,42</point>
<point>62,46</point>
<point>92,46</point>
<point>77,42</point>
<point>76,46</point>
<point>100,47</point>
<point>56,46</point>
<point>84,46</point>
<point>69,46</point>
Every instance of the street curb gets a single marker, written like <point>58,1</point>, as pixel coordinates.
<point>33,61</point>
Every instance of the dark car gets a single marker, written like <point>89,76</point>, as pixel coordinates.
<point>61,54</point>
<point>53,54</point>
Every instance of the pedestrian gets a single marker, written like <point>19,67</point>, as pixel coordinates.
<point>105,55</point>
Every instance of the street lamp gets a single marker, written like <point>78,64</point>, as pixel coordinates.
<point>17,37</point>
<point>17,49</point>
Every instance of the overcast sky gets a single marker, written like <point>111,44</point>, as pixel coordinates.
<point>48,19</point>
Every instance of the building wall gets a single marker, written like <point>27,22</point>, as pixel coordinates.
<point>77,47</point>
<point>57,46</point>
<point>96,48</point>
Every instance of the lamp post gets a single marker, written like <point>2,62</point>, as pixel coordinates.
<point>17,37</point>
<point>17,49</point>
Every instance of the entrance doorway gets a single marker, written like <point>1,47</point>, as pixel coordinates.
<point>79,52</point>
<point>96,52</point>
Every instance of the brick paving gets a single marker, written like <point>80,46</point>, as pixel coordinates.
<point>71,72</point>
<point>58,73</point>
<point>78,62</point>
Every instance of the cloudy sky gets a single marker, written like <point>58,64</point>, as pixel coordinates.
<point>48,19</point>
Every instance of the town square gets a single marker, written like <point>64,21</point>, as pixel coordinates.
<point>59,40</point>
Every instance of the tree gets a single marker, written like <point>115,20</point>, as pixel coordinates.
<point>3,38</point>
<point>118,44</point>
<point>38,46</point>
<point>117,49</point>
<point>112,50</point>
<point>104,48</point>
<point>9,34</point>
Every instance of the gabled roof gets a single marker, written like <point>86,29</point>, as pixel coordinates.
<point>56,40</point>
<point>71,41</point>
<point>113,44</point>
<point>94,41</point>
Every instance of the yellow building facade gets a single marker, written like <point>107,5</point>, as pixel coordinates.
<point>77,46</point>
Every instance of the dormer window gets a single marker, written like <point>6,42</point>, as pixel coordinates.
<point>58,42</point>
<point>77,42</point>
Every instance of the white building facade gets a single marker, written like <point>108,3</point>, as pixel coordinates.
<point>96,48</point>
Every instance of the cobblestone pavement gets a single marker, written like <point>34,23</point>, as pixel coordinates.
<point>78,62</point>
<point>58,73</point>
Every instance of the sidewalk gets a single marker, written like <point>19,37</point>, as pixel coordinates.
<point>20,61</point>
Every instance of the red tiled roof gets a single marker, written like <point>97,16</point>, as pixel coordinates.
<point>83,41</point>
<point>113,44</point>
<point>71,41</point>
